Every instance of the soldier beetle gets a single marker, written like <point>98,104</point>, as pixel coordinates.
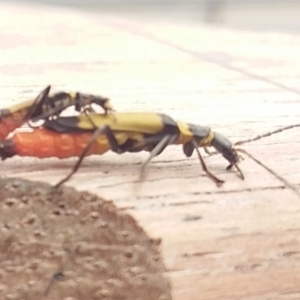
<point>94,133</point>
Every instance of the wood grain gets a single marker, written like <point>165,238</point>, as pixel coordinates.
<point>240,241</point>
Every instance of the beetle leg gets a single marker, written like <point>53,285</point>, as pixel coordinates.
<point>88,110</point>
<point>188,149</point>
<point>237,167</point>
<point>210,153</point>
<point>105,130</point>
<point>164,142</point>
<point>32,126</point>
<point>90,119</point>
<point>215,179</point>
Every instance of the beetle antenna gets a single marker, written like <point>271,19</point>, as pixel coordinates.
<point>267,134</point>
<point>270,171</point>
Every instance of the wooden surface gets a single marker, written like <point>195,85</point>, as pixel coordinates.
<point>240,241</point>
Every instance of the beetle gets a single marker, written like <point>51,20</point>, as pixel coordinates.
<point>46,106</point>
<point>94,133</point>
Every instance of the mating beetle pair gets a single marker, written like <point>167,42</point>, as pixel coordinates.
<point>96,133</point>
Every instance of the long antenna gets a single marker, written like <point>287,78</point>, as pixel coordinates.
<point>270,171</point>
<point>267,134</point>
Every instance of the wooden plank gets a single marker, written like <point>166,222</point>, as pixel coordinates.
<point>239,241</point>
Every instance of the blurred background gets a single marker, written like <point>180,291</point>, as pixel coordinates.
<point>271,15</point>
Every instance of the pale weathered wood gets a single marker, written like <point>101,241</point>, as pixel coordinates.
<point>240,241</point>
